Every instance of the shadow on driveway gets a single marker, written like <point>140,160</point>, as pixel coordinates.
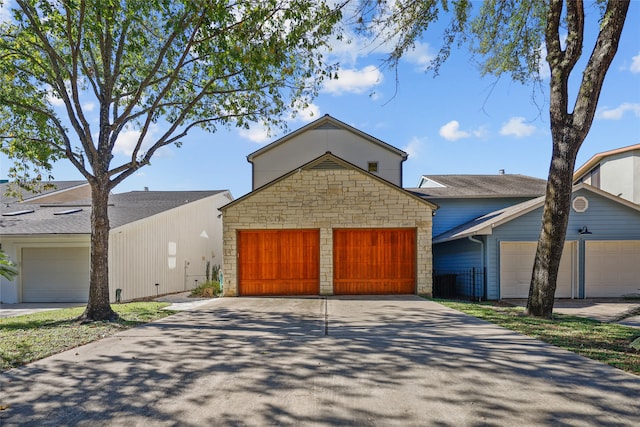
<point>345,361</point>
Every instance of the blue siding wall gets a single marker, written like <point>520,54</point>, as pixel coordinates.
<point>455,212</point>
<point>606,219</point>
<point>456,255</point>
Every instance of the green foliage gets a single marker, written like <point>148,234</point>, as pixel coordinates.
<point>178,64</point>
<point>209,289</point>
<point>7,267</point>
<point>154,68</point>
<point>35,336</point>
<point>215,272</point>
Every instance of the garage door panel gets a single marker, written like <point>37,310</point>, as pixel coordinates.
<point>374,261</point>
<point>612,268</point>
<point>55,274</point>
<point>279,262</point>
<point>516,266</point>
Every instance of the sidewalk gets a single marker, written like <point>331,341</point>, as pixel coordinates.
<point>179,302</point>
<point>603,310</point>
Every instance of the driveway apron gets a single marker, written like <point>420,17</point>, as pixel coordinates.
<point>373,361</point>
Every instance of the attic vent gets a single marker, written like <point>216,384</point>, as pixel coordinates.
<point>68,211</point>
<point>327,165</point>
<point>327,126</point>
<point>16,213</point>
<point>580,204</point>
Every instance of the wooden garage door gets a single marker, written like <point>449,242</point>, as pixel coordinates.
<point>516,266</point>
<point>279,262</point>
<point>55,274</point>
<point>374,261</point>
<point>612,268</point>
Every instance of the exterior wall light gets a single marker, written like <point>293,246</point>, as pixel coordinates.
<point>584,230</point>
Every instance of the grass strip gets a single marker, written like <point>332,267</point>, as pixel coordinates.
<point>608,343</point>
<point>31,337</point>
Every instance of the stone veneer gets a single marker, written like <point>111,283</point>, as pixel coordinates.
<point>324,200</point>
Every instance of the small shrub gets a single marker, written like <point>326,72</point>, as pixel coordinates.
<point>208,289</point>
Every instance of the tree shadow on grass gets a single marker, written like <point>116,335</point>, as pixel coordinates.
<point>268,362</point>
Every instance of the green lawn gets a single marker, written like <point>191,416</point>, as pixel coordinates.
<point>605,342</point>
<point>24,339</point>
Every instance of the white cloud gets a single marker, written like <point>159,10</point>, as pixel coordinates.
<point>421,55</point>
<point>354,81</point>
<point>618,112</point>
<point>414,147</point>
<point>543,67</point>
<point>54,100</point>
<point>451,131</point>
<point>5,6</point>
<point>307,114</point>
<point>128,139</point>
<point>517,127</point>
<point>257,133</point>
<point>635,64</point>
<point>89,107</point>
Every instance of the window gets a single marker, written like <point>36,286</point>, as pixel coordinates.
<point>373,167</point>
<point>580,204</point>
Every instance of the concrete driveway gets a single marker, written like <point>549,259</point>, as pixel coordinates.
<point>343,361</point>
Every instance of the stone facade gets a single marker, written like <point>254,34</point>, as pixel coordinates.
<point>327,199</point>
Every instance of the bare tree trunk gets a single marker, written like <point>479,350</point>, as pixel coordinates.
<point>98,307</point>
<point>568,130</point>
<point>555,217</point>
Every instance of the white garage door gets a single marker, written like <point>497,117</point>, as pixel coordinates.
<point>612,268</point>
<point>55,274</point>
<point>516,265</point>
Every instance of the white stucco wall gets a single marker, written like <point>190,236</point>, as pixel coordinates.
<point>171,249</point>
<point>620,175</point>
<point>303,148</point>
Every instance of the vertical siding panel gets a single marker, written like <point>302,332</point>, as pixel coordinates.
<point>139,250</point>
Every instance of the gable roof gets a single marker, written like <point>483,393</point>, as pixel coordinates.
<point>329,161</point>
<point>327,122</point>
<point>484,224</point>
<point>124,208</point>
<point>481,186</point>
<point>58,187</point>
<point>597,158</point>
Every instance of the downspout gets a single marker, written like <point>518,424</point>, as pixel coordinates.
<point>484,281</point>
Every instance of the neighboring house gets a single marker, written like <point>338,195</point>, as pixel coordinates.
<point>461,198</point>
<point>600,257</point>
<point>156,237</point>
<point>327,216</point>
<point>615,171</point>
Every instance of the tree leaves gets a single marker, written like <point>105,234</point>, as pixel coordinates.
<point>182,63</point>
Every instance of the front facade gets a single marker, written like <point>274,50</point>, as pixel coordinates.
<point>327,227</point>
<point>600,258</point>
<point>156,237</point>
<point>326,135</point>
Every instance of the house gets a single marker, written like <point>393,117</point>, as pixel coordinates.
<point>615,171</point>
<point>600,257</point>
<point>327,216</point>
<point>156,237</point>
<point>462,198</point>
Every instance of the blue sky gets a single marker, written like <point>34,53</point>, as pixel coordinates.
<point>455,123</point>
